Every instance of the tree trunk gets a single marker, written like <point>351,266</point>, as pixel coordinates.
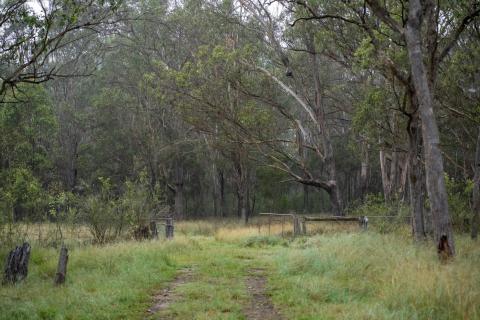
<point>416,178</point>
<point>476,191</point>
<point>179,199</point>
<point>335,201</point>
<point>394,176</point>
<point>223,203</point>
<point>437,192</point>
<point>364,171</point>
<point>242,206</point>
<point>216,191</point>
<point>305,198</point>
<point>386,183</point>
<point>328,158</point>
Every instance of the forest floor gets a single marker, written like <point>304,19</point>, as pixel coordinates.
<point>236,273</point>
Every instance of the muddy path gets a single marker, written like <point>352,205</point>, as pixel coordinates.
<point>260,306</point>
<point>163,299</point>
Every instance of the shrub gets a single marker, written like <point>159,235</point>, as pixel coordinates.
<point>264,241</point>
<point>375,205</point>
<point>99,212</point>
<point>459,193</point>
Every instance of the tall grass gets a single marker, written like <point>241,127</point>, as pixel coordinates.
<point>102,282</point>
<point>339,273</point>
<point>372,276</point>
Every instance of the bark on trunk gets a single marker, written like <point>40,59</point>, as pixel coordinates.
<point>335,201</point>
<point>305,198</point>
<point>386,183</point>
<point>223,203</point>
<point>437,193</point>
<point>364,171</point>
<point>416,178</point>
<point>216,191</point>
<point>179,194</point>
<point>241,180</point>
<point>328,158</point>
<point>476,191</point>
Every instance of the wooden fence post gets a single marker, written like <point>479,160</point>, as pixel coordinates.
<point>16,266</point>
<point>269,223</point>
<point>304,226</point>
<point>153,229</point>
<point>364,222</point>
<point>62,266</point>
<point>169,228</point>
<point>297,228</point>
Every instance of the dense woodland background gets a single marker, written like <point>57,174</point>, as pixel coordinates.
<point>111,111</point>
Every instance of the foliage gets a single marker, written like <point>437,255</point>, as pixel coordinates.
<point>138,203</point>
<point>101,214</point>
<point>264,241</point>
<point>386,217</point>
<point>459,201</point>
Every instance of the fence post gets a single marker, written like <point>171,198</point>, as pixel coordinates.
<point>169,228</point>
<point>153,229</point>
<point>269,223</point>
<point>364,222</point>
<point>297,229</point>
<point>62,266</point>
<point>304,226</point>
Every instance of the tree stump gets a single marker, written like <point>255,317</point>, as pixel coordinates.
<point>169,228</point>
<point>16,266</point>
<point>62,266</point>
<point>443,249</point>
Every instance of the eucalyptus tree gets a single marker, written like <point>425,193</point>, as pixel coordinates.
<point>400,31</point>
<point>32,31</point>
<point>305,85</point>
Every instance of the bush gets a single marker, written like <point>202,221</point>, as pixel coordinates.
<point>375,205</point>
<point>100,214</point>
<point>109,217</point>
<point>138,203</point>
<point>264,241</point>
<point>459,194</point>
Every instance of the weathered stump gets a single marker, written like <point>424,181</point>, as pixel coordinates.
<point>16,266</point>
<point>153,230</point>
<point>62,266</point>
<point>443,249</point>
<point>169,229</point>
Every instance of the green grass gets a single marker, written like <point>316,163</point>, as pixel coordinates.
<point>111,282</point>
<point>329,276</point>
<point>372,276</point>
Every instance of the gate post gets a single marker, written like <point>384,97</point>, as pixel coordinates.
<point>169,228</point>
